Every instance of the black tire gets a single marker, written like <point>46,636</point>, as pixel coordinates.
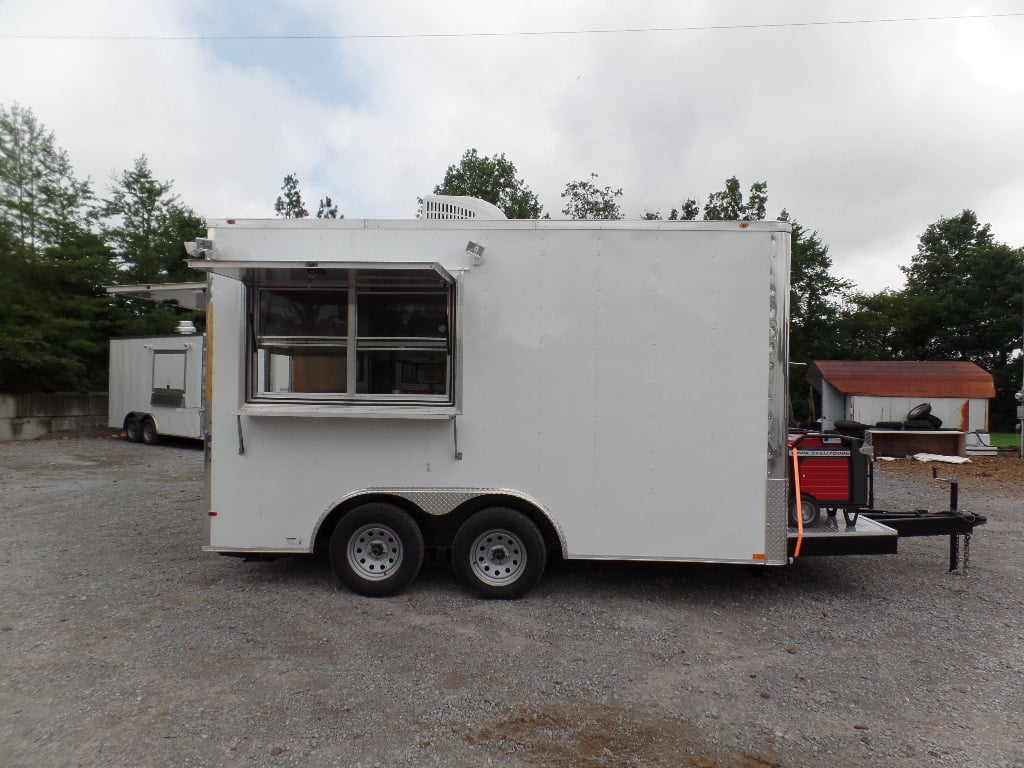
<point>377,549</point>
<point>889,425</point>
<point>499,553</point>
<point>809,509</point>
<point>133,430</point>
<point>853,428</point>
<point>932,419</point>
<point>919,411</point>
<point>918,424</point>
<point>150,435</point>
<point>848,424</point>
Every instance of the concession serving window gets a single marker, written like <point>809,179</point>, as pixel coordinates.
<point>359,335</point>
<point>367,334</point>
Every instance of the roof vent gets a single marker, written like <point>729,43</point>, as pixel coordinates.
<point>458,207</point>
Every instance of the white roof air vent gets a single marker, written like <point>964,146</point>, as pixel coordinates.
<point>458,207</point>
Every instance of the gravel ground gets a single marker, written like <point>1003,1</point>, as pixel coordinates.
<point>122,644</point>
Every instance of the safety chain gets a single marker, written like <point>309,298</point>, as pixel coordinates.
<point>958,564</point>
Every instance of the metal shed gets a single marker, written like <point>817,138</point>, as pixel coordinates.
<point>873,391</point>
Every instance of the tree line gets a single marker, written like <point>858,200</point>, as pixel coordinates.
<point>961,299</point>
<point>61,242</point>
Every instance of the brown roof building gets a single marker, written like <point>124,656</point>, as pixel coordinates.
<point>872,391</point>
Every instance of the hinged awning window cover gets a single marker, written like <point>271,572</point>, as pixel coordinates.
<point>309,271</point>
<point>187,295</point>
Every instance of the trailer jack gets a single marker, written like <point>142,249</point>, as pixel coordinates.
<point>952,522</point>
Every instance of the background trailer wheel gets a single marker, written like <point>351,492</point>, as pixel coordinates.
<point>499,553</point>
<point>150,435</point>
<point>133,430</point>
<point>377,549</point>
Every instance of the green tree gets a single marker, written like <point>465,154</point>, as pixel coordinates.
<point>729,205</point>
<point>871,326</point>
<point>39,194</point>
<point>67,203</point>
<point>289,203</point>
<point>964,292</point>
<point>492,179</point>
<point>585,200</point>
<point>817,300</point>
<point>55,318</point>
<point>688,211</point>
<point>54,313</point>
<point>327,209</point>
<point>147,228</point>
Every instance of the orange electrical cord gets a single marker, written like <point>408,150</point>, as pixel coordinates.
<point>799,506</point>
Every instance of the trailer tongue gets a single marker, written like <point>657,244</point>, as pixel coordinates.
<point>952,523</point>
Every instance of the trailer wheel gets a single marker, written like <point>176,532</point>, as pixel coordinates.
<point>133,430</point>
<point>809,511</point>
<point>150,436</point>
<point>377,549</point>
<point>499,553</point>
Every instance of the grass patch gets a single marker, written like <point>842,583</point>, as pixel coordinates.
<point>1005,439</point>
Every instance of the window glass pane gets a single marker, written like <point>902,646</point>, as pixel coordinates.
<point>168,378</point>
<point>301,369</point>
<point>169,370</point>
<point>403,372</point>
<point>303,312</point>
<point>403,315</point>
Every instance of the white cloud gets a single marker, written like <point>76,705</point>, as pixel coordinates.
<point>866,133</point>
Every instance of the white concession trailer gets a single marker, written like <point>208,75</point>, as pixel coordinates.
<point>156,386</point>
<point>493,392</point>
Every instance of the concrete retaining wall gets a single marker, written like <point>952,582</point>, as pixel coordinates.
<point>24,417</point>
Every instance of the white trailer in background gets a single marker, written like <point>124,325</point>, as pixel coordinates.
<point>494,392</point>
<point>156,386</point>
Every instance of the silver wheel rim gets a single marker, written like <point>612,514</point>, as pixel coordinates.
<point>808,512</point>
<point>498,557</point>
<point>374,552</point>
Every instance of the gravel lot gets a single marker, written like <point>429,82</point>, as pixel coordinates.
<point>122,644</point>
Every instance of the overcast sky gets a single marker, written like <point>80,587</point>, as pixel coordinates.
<point>865,132</point>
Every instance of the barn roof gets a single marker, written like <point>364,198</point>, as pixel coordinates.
<point>903,378</point>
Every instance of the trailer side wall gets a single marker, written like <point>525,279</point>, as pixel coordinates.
<point>622,378</point>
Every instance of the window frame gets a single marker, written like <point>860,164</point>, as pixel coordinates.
<point>366,279</point>
<point>173,397</point>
